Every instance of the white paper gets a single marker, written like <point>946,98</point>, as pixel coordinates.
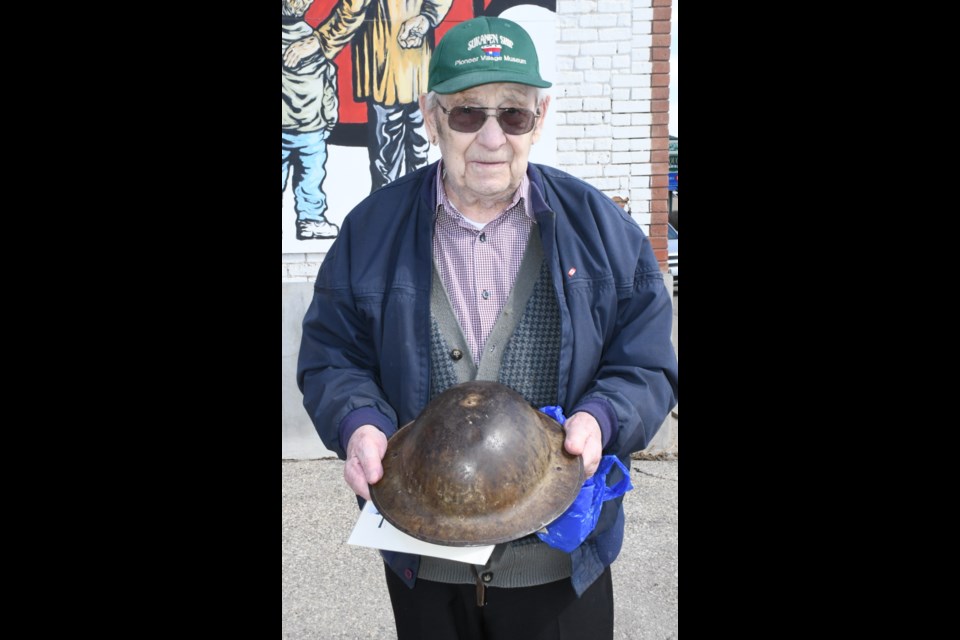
<point>373,530</point>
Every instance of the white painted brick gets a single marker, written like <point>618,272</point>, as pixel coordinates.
<point>596,104</point>
<point>599,48</point>
<point>586,144</point>
<point>567,21</point>
<point>597,131</point>
<point>570,158</point>
<point>576,6</point>
<point>614,170</point>
<point>301,270</point>
<point>566,144</point>
<point>569,132</point>
<point>592,89</point>
<point>598,157</point>
<point>566,90</point>
<point>584,63</point>
<point>584,117</point>
<point>603,144</point>
<point>639,66</point>
<point>638,42</point>
<point>615,7</point>
<point>567,104</point>
<point>641,28</point>
<point>570,77</point>
<point>640,56</point>
<point>564,64</point>
<point>598,20</point>
<point>642,219</point>
<point>620,94</point>
<point>294,257</point>
<point>616,33</point>
<point>578,35</point>
<point>630,106</point>
<point>631,132</point>
<point>567,49</point>
<point>641,119</point>
<point>608,184</point>
<point>620,145</point>
<point>642,168</point>
<point>621,62</point>
<point>602,76</point>
<point>628,157</point>
<point>641,93</point>
<point>624,20</point>
<point>559,118</point>
<point>583,171</point>
<point>643,14</point>
<point>629,80</point>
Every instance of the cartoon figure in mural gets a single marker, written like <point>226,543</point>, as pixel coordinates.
<point>310,111</point>
<point>391,58</point>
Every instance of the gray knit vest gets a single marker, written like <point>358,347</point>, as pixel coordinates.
<point>523,344</point>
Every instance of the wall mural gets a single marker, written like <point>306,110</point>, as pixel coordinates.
<point>351,122</point>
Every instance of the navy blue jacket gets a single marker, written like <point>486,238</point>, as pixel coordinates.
<point>365,351</point>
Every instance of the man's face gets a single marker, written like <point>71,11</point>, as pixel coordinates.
<point>486,166</point>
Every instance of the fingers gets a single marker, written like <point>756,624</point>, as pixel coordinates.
<point>364,464</point>
<point>584,439</point>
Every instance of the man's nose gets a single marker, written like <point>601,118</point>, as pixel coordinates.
<point>491,134</point>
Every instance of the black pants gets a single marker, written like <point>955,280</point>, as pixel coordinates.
<point>438,611</point>
<point>396,142</point>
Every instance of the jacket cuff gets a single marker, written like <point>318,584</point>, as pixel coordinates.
<point>359,417</point>
<point>603,412</point>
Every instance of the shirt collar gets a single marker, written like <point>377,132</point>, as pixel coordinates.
<point>444,205</point>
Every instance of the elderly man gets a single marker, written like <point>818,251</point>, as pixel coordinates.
<point>483,266</point>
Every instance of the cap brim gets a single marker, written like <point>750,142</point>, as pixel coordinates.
<point>553,495</point>
<point>464,81</point>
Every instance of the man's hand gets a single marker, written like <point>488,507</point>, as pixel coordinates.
<point>301,49</point>
<point>412,32</point>
<point>584,439</point>
<point>365,453</point>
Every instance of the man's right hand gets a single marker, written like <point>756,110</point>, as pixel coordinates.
<point>365,452</point>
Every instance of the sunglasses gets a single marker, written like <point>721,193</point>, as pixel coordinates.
<point>470,119</point>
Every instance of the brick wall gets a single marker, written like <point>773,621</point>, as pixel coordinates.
<point>609,110</point>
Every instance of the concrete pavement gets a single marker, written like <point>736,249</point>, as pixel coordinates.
<point>336,591</point>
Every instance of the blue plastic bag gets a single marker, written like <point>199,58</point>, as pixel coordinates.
<point>569,530</point>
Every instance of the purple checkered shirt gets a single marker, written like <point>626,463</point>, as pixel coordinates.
<point>478,267</point>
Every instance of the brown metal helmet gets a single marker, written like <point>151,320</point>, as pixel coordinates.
<point>478,466</point>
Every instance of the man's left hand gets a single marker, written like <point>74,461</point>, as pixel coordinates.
<point>584,439</point>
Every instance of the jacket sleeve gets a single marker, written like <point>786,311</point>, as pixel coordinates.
<point>635,382</point>
<point>337,367</point>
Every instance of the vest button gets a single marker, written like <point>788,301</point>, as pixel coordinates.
<point>456,354</point>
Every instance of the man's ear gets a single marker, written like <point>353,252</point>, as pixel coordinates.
<point>427,119</point>
<point>538,128</point>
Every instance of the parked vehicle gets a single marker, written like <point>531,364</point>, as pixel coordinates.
<point>672,260</point>
<point>673,185</point>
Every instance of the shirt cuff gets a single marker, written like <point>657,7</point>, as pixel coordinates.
<point>603,412</point>
<point>359,417</point>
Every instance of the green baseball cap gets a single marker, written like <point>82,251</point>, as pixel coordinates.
<point>481,51</point>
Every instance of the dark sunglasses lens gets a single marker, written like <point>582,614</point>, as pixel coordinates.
<point>516,121</point>
<point>466,120</point>
<point>470,120</point>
